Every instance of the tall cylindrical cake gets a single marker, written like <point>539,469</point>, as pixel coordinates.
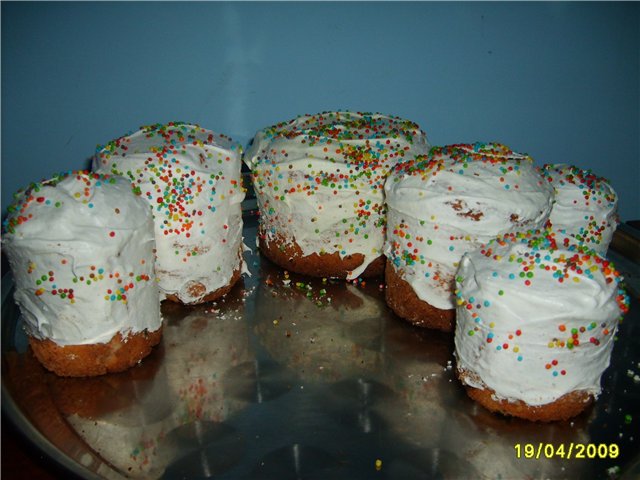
<point>585,208</point>
<point>81,248</point>
<point>191,178</point>
<point>444,205</point>
<point>319,183</point>
<point>535,325</point>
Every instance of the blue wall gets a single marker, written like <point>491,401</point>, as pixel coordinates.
<point>559,81</point>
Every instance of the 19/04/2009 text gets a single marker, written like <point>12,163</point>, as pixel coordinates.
<point>568,451</point>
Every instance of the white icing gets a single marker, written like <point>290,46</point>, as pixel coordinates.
<point>585,207</point>
<point>319,179</point>
<point>81,250</point>
<point>456,199</point>
<point>540,341</point>
<point>191,178</point>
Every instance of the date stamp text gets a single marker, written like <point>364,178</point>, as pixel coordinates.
<point>567,451</point>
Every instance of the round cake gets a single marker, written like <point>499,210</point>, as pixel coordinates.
<point>448,203</point>
<point>535,325</point>
<point>585,207</point>
<point>191,178</point>
<point>81,248</point>
<point>319,181</point>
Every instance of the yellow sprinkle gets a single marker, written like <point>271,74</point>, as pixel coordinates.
<point>576,279</point>
<point>492,324</point>
<point>378,464</point>
<point>516,349</point>
<point>550,345</point>
<point>275,322</point>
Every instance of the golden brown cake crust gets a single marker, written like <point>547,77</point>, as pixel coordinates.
<point>95,359</point>
<point>289,256</point>
<point>564,408</point>
<point>402,299</point>
<point>197,289</point>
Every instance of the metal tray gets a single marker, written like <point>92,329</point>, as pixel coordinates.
<point>292,377</point>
